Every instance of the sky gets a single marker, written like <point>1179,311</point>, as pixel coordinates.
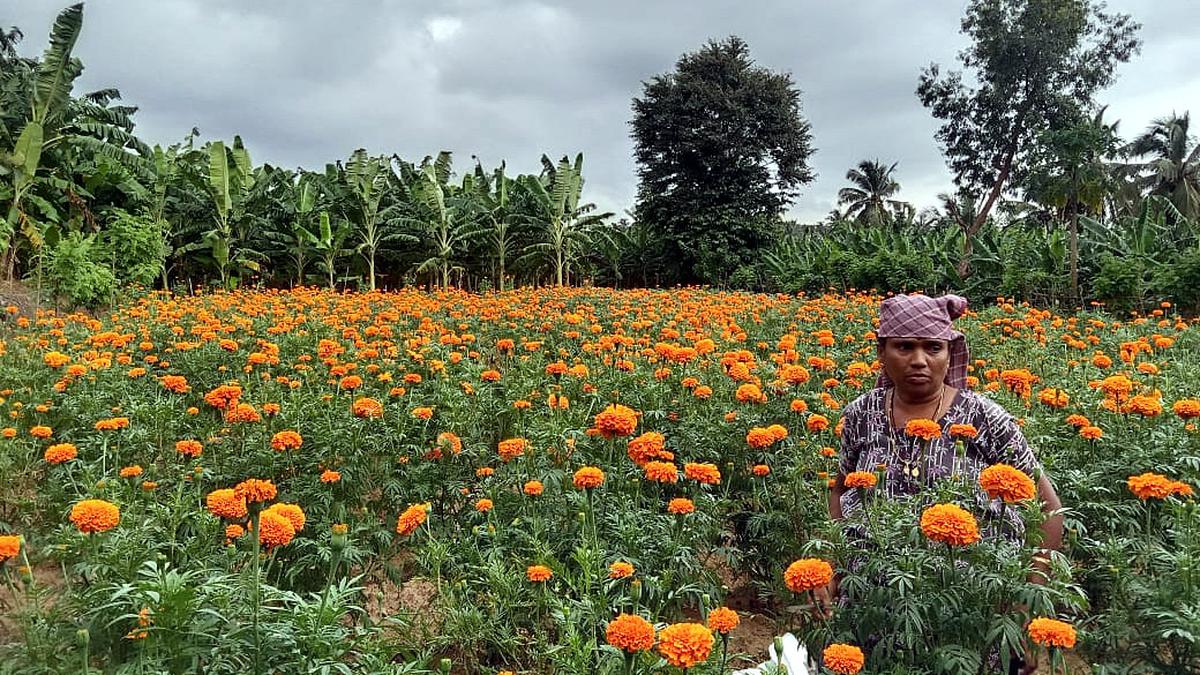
<point>306,82</point>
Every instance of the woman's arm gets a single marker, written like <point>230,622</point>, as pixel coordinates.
<point>835,497</point>
<point>1052,529</point>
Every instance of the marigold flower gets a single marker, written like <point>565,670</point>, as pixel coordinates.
<point>649,446</point>
<point>450,441</point>
<point>41,431</point>
<point>1052,633</point>
<point>483,505</point>
<point>963,431</point>
<point>366,408</point>
<point>861,479</point>
<point>708,474</point>
<point>1078,421</point>
<point>490,376</point>
<point>55,359</point>
<point>949,524</point>
<point>223,396</point>
<point>808,574</point>
<point>254,490</point>
<point>423,413</point>
<point>274,529</point>
<point>685,645</point>
<point>1182,489</point>
<point>350,382</point>
<point>620,569</point>
<point>512,448</point>
<point>680,506</point>
<point>538,573</point>
<point>1146,406</point>
<point>816,423</point>
<point>225,503</point>
<point>616,420</point>
<point>760,470</point>
<point>1091,433</point>
<point>412,518</point>
<point>286,440</point>
<point>60,453</point>
<point>330,476</point>
<point>293,513</point>
<point>759,437</point>
<point>1007,482</point>
<point>242,413</point>
<point>723,620</point>
<point>922,428</point>
<point>10,546</point>
<point>843,659</point>
<point>176,383</point>
<point>661,472</point>
<point>533,488</point>
<point>234,531</point>
<point>1054,397</point>
<point>95,515</point>
<point>588,477</point>
<point>1150,486</point>
<point>484,472</point>
<point>1186,408</point>
<point>130,471</point>
<point>189,448</point>
<point>630,633</point>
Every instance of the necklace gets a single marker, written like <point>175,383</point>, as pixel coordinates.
<point>908,462</point>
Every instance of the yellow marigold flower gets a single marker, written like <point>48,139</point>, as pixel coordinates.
<point>1007,482</point>
<point>808,574</point>
<point>843,659</point>
<point>588,477</point>
<point>949,524</point>
<point>95,515</point>
<point>723,620</point>
<point>685,645</point>
<point>60,453</point>
<point>1052,633</point>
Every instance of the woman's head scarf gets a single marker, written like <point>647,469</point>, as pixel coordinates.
<point>927,318</point>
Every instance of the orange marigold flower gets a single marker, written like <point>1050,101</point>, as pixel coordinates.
<point>680,506</point>
<point>242,413</point>
<point>1078,421</point>
<point>412,518</point>
<point>366,408</point>
<point>450,441</point>
<point>286,440</point>
<point>1091,433</point>
<point>630,633</point>
<point>225,503</point>
<point>350,382</point>
<point>588,477</point>
<point>798,406</point>
<point>650,445</point>
<point>254,490</point>
<point>1052,633</point>
<point>861,479</point>
<point>189,448</point>
<point>1149,486</point>
<point>922,428</point>
<point>55,359</point>
<point>130,471</point>
<point>274,529</point>
<point>293,513</point>
<point>512,448</point>
<point>223,396</point>
<point>484,472</point>
<point>949,524</point>
<point>1054,397</point>
<point>1007,482</point>
<point>483,505</point>
<point>41,431</point>
<point>661,472</point>
<point>95,515</point>
<point>423,413</point>
<point>723,620</point>
<point>330,476</point>
<point>538,573</point>
<point>533,488</point>
<point>1146,406</point>
<point>778,431</point>
<point>10,546</point>
<point>616,420</point>
<point>1182,489</point>
<point>750,393</point>
<point>620,569</point>
<point>60,452</point>
<point>685,645</point>
<point>176,383</point>
<point>1187,408</point>
<point>760,470</point>
<point>808,574</point>
<point>234,531</point>
<point>816,423</point>
<point>707,474</point>
<point>759,437</point>
<point>963,431</point>
<point>490,376</point>
<point>843,659</point>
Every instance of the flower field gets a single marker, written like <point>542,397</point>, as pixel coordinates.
<point>577,480</point>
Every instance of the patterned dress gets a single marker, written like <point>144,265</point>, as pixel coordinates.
<point>868,441</point>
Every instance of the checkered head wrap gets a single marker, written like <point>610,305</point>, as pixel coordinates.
<point>920,316</point>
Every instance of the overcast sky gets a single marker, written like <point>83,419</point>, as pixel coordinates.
<point>307,82</point>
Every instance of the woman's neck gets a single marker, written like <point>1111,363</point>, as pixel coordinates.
<point>910,399</point>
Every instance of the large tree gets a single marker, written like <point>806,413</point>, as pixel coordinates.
<point>722,149</point>
<point>1173,167</point>
<point>1033,65</point>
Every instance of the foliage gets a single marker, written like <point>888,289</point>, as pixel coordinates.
<point>78,269</point>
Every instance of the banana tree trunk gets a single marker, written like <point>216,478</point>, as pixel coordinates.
<point>1074,232</point>
<point>371,268</point>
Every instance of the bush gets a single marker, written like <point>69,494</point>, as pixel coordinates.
<point>75,271</point>
<point>136,243</point>
<point>888,271</point>
<point>1120,282</point>
<point>1180,280</point>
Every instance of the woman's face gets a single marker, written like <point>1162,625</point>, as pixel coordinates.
<point>917,366</point>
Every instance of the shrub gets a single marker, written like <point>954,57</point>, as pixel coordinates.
<point>75,271</point>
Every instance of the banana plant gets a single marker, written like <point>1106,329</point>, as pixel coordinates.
<point>564,221</point>
<point>230,179</point>
<point>495,197</point>
<point>443,214</point>
<point>368,180</point>
<point>330,244</point>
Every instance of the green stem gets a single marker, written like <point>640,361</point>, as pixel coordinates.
<point>254,598</point>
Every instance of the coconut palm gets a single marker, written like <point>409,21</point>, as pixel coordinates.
<point>869,200</point>
<point>1173,167</point>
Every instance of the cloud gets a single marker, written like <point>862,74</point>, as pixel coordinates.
<point>307,82</point>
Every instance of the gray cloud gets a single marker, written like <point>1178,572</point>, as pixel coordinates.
<point>305,83</point>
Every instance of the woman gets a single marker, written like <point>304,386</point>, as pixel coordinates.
<point>924,375</point>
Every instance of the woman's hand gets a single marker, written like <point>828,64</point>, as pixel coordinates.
<point>826,597</point>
